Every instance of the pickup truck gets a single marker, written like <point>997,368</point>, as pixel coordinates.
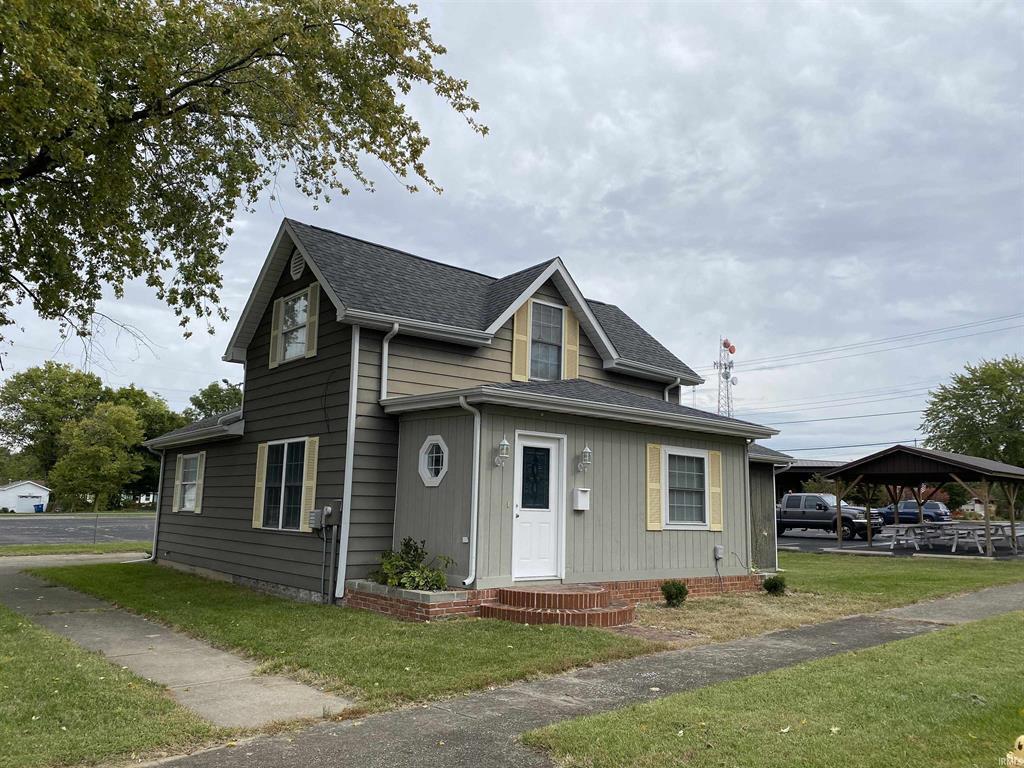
<point>818,510</point>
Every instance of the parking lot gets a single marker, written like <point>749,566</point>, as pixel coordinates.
<point>75,529</point>
<point>811,540</point>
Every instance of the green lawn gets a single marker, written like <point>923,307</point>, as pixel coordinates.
<point>380,660</point>
<point>100,548</point>
<point>953,698</point>
<point>61,705</point>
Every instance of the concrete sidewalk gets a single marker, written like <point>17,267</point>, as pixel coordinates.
<point>481,730</point>
<point>221,687</point>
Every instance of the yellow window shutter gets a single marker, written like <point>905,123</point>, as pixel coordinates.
<point>654,522</point>
<point>571,346</point>
<point>176,498</point>
<point>200,471</point>
<point>521,344</point>
<point>715,514</point>
<point>309,482</point>
<point>275,335</point>
<point>261,480</point>
<point>312,318</point>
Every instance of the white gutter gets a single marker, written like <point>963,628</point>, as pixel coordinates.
<point>156,521</point>
<point>350,449</point>
<point>384,345</point>
<point>645,371</point>
<point>413,327</point>
<point>474,501</point>
<point>675,383</point>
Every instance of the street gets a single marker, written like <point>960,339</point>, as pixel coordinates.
<point>75,529</point>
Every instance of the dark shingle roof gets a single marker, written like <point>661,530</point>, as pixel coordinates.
<point>228,417</point>
<point>374,278</point>
<point>763,452</point>
<point>589,391</point>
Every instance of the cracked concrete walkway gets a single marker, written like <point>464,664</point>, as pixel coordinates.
<point>481,730</point>
<point>221,687</point>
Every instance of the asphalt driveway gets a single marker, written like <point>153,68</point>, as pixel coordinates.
<point>75,529</point>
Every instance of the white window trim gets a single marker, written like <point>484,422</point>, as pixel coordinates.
<point>561,344</point>
<point>284,329</point>
<point>181,490</point>
<point>429,480</point>
<point>284,468</point>
<point>672,450</point>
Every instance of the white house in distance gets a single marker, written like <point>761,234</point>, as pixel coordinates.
<point>23,496</point>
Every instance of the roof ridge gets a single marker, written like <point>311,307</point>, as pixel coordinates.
<point>396,250</point>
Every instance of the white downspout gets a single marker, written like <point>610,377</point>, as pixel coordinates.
<point>677,383</point>
<point>384,360</point>
<point>350,449</point>
<point>474,501</point>
<point>156,520</point>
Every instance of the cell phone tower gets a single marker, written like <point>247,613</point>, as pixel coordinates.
<point>726,379</point>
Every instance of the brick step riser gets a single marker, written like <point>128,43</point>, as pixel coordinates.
<point>610,616</point>
<point>554,600</point>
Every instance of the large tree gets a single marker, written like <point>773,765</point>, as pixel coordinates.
<point>216,397</point>
<point>133,129</point>
<point>156,419</point>
<point>98,457</point>
<point>36,403</point>
<point>980,412</point>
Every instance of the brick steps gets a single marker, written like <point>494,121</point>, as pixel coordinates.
<point>571,606</point>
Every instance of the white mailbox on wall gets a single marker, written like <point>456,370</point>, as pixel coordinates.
<point>581,499</point>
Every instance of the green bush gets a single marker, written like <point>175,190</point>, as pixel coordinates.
<point>675,593</point>
<point>408,568</point>
<point>775,585</point>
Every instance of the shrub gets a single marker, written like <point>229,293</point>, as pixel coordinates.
<point>775,585</point>
<point>675,593</point>
<point>408,568</point>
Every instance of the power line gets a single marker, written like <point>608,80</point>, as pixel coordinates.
<point>852,445</point>
<point>830,396</point>
<point>877,351</point>
<point>874,342</point>
<point>835,404</point>
<point>844,418</point>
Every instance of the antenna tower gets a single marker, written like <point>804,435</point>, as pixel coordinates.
<point>726,379</point>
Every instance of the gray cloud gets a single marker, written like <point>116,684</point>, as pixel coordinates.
<point>794,175</point>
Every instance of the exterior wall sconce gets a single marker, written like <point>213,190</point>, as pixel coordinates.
<point>586,459</point>
<point>504,451</point>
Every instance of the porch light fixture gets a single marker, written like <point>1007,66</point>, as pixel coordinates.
<point>504,451</point>
<point>586,459</point>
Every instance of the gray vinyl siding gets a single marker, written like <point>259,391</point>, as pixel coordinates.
<point>301,398</point>
<point>420,366</point>
<point>762,516</point>
<point>438,515</point>
<point>610,542</point>
<point>371,529</point>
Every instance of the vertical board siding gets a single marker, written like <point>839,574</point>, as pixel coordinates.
<point>439,515</point>
<point>762,515</point>
<point>610,541</point>
<point>422,366</point>
<point>299,398</point>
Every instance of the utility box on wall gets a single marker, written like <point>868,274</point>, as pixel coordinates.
<point>581,499</point>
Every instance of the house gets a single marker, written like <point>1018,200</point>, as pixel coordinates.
<point>24,496</point>
<point>527,433</point>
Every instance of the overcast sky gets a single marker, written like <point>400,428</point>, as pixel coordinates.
<point>798,177</point>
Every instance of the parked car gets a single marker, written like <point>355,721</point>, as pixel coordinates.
<point>934,511</point>
<point>818,510</point>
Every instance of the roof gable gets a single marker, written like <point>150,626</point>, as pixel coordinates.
<point>19,483</point>
<point>377,286</point>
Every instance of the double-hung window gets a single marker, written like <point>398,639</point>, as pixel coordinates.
<point>189,483</point>
<point>546,342</point>
<point>685,501</point>
<point>294,317</point>
<point>282,495</point>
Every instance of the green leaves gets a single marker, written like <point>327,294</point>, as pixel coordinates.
<point>134,128</point>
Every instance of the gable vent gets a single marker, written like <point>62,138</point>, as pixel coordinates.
<point>297,265</point>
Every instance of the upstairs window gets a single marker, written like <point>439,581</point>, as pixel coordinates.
<point>546,342</point>
<point>293,329</point>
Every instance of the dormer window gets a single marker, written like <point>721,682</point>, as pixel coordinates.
<point>546,342</point>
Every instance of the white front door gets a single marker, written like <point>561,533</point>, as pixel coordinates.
<point>538,503</point>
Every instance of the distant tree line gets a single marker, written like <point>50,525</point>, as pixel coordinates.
<point>63,427</point>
